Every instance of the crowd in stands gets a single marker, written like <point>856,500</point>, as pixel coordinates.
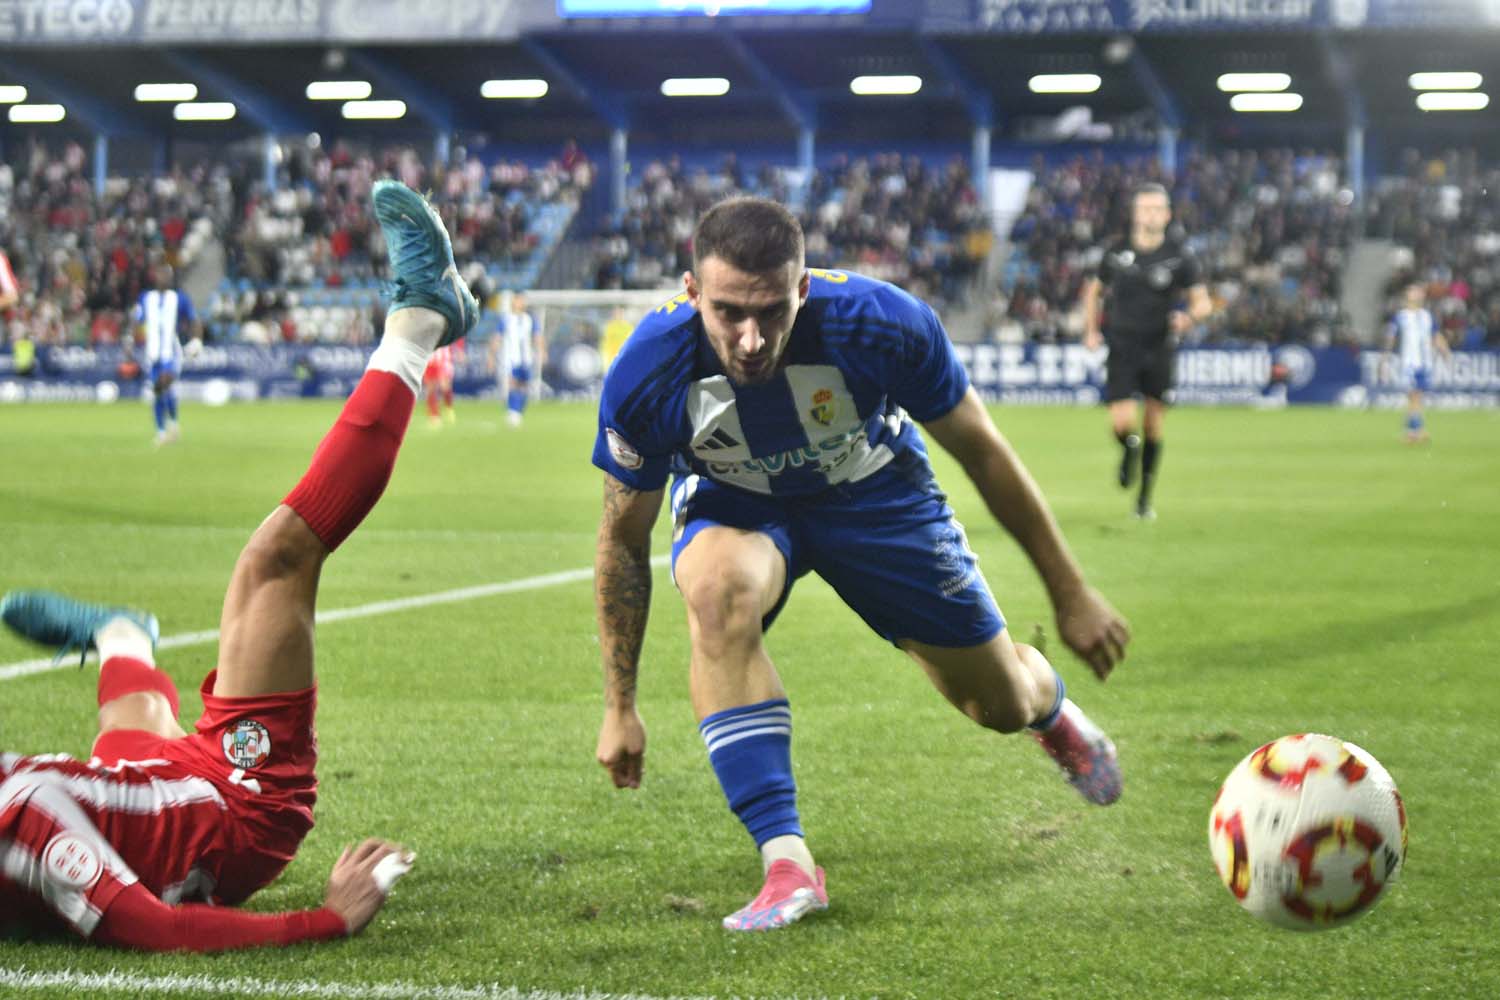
<point>1443,212</point>
<point>1271,232</point>
<point>1271,228</point>
<point>81,259</point>
<point>889,216</point>
<point>318,230</point>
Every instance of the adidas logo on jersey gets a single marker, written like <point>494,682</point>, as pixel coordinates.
<point>717,441</point>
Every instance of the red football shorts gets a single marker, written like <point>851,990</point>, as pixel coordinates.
<point>260,753</point>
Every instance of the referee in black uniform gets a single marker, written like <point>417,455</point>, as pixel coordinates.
<point>1156,292</point>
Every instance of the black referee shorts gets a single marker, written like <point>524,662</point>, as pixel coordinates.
<point>1130,373</point>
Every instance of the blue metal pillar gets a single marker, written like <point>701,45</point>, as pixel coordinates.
<point>619,165</point>
<point>442,148</point>
<point>979,165</point>
<point>1168,114</point>
<point>807,138</point>
<point>981,107</point>
<point>101,163</point>
<point>161,155</point>
<point>272,156</point>
<point>1341,72</point>
<point>1166,149</point>
<point>1354,159</point>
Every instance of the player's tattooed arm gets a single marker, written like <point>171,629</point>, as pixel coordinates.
<point>622,584</point>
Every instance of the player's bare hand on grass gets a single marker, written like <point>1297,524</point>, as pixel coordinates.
<point>354,891</point>
<point>622,746</point>
<point>1094,630</point>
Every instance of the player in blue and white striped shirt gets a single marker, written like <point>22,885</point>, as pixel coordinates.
<point>786,401</point>
<point>163,314</point>
<point>1414,336</point>
<point>523,353</point>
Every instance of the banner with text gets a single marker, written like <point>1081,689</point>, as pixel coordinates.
<point>1248,376</point>
<point>1054,16</point>
<point>150,22</point>
<point>1058,374</point>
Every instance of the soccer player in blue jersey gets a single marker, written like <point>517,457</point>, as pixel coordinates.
<point>523,353</point>
<point>163,314</point>
<point>786,401</point>
<point>1415,338</point>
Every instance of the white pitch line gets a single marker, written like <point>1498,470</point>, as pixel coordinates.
<point>23,668</point>
<point>135,984</point>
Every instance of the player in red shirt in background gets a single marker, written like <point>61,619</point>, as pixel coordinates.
<point>150,842</point>
<point>437,381</point>
<point>10,289</point>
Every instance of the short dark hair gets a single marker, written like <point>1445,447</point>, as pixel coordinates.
<point>756,235</point>
<point>1151,187</point>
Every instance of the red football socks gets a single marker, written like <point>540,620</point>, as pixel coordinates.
<point>122,675</point>
<point>354,462</point>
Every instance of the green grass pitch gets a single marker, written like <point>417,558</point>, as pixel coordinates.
<point>1308,572</point>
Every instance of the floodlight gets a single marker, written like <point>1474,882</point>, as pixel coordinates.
<point>872,85</point>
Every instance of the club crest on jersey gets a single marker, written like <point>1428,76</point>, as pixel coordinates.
<point>825,408</point>
<point>620,450</point>
<point>247,745</point>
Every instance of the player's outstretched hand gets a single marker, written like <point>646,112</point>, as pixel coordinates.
<point>622,746</point>
<point>361,879</point>
<point>1094,630</point>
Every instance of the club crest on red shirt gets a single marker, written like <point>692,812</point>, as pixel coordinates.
<point>247,744</point>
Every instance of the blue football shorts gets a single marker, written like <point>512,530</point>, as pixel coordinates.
<point>888,544</point>
<point>1414,377</point>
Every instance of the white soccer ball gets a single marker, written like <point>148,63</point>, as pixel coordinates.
<point>1308,831</point>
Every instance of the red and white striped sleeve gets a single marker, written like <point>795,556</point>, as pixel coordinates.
<point>52,850</point>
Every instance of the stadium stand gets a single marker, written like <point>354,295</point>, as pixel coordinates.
<point>1443,214</point>
<point>890,215</point>
<point>306,261</point>
<point>303,261</point>
<point>1271,228</point>
<point>81,258</point>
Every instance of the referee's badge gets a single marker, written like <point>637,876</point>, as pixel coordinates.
<point>1160,276</point>
<point>825,407</point>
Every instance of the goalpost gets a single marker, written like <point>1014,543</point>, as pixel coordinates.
<point>577,326</point>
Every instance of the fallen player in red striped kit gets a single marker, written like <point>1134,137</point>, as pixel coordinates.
<point>152,841</point>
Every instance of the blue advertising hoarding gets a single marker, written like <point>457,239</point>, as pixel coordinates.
<point>1055,374</point>
<point>1062,374</point>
